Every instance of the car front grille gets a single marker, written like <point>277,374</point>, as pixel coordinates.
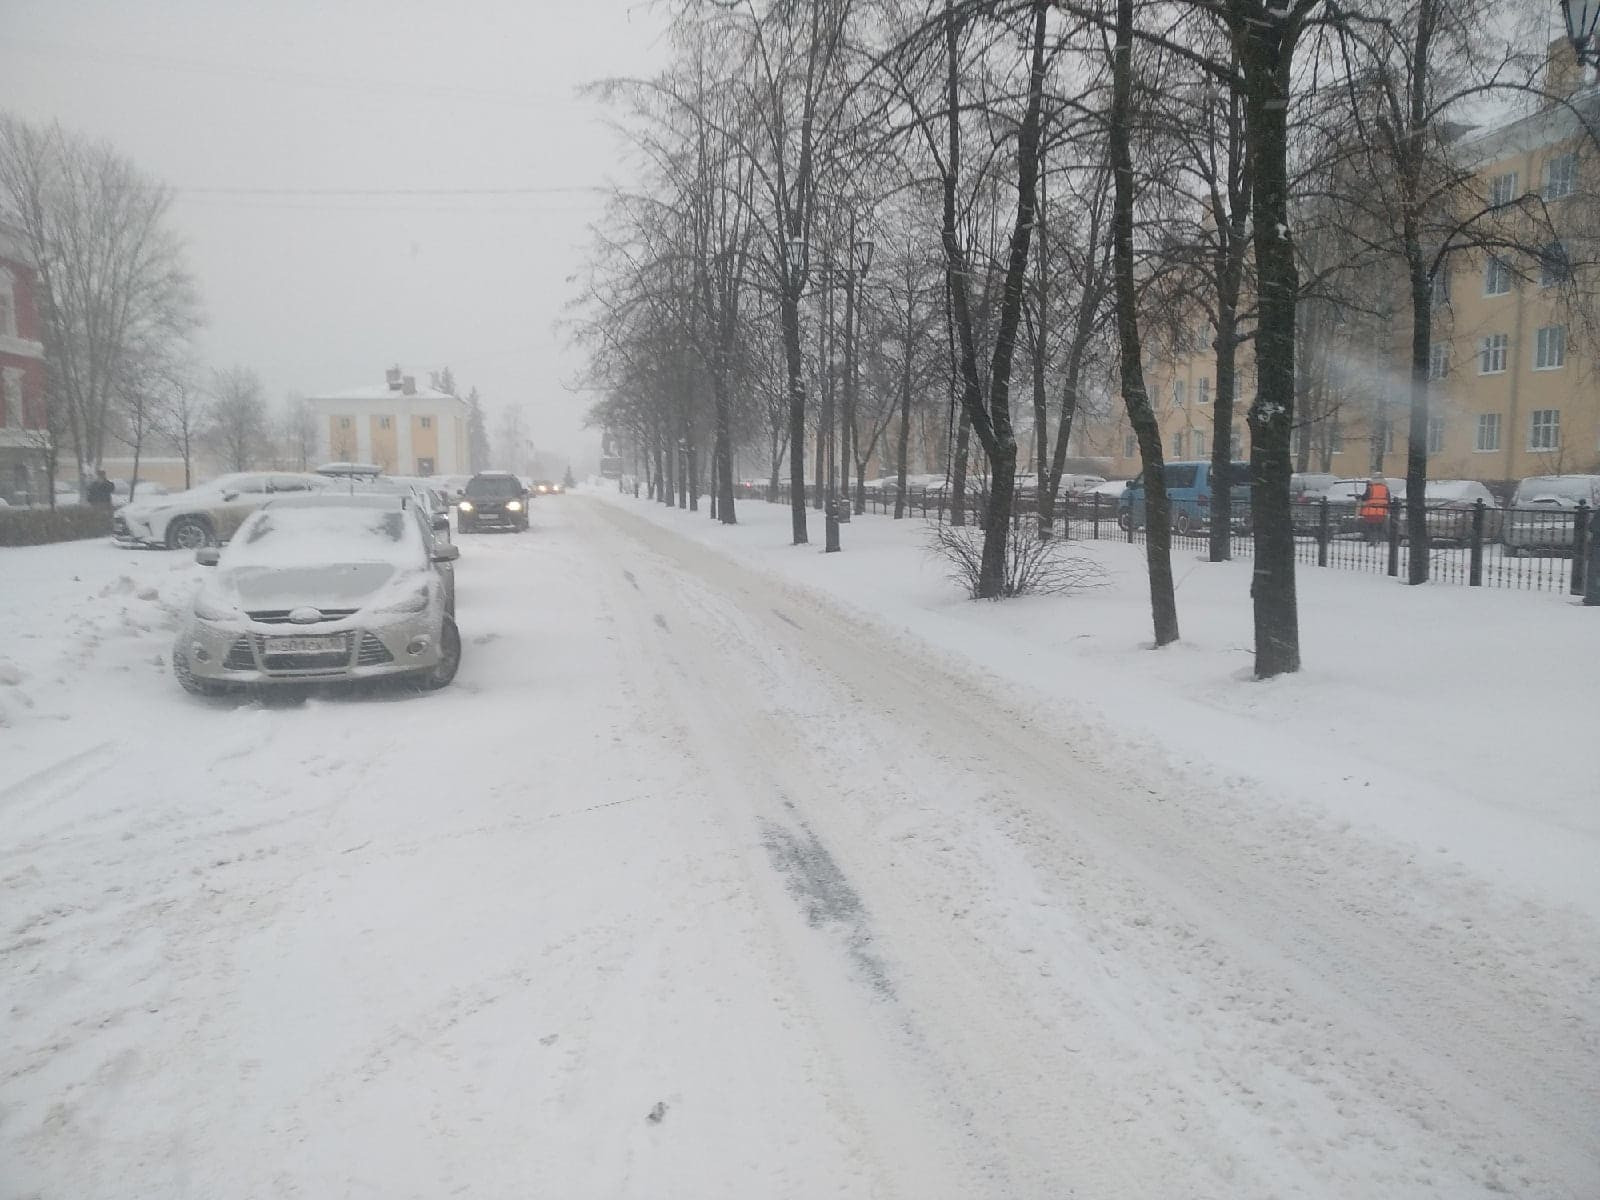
<point>373,653</point>
<point>280,616</point>
<point>239,657</point>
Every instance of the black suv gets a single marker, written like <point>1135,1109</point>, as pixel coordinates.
<point>493,498</point>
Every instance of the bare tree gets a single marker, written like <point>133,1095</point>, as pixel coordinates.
<point>181,417</point>
<point>298,422</point>
<point>236,419</point>
<point>1158,537</point>
<point>112,280</point>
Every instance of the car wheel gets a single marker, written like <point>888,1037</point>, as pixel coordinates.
<point>1124,521</point>
<point>190,533</point>
<point>1182,525</point>
<point>462,526</point>
<point>187,681</point>
<point>449,662</point>
<point>1511,551</point>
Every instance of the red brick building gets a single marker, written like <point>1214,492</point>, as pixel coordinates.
<point>23,437</point>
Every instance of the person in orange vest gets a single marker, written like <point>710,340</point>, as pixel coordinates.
<point>1374,512</point>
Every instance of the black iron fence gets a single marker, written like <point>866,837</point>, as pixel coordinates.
<point>1476,544</point>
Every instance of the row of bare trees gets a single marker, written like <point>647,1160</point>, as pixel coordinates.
<point>117,303</point>
<point>1060,193</point>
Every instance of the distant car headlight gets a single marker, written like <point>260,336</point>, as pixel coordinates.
<point>465,506</point>
<point>207,608</point>
<point>513,505</point>
<point>413,601</point>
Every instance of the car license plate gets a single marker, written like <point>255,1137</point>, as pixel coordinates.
<point>330,644</point>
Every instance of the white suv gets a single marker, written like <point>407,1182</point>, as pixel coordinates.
<point>207,514</point>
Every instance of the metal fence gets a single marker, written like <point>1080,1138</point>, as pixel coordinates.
<point>1478,545</point>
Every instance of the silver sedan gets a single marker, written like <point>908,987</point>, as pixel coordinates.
<point>325,587</point>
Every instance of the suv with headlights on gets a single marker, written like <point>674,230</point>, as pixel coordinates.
<point>493,499</point>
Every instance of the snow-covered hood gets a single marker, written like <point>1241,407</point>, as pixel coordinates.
<point>342,585</point>
<point>194,497</point>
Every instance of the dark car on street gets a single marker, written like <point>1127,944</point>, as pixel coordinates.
<point>493,500</point>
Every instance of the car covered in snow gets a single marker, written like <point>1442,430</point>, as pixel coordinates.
<point>318,588</point>
<point>208,514</point>
<point>1542,515</point>
<point>1450,505</point>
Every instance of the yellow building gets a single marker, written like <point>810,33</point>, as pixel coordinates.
<point>1513,371</point>
<point>403,428</point>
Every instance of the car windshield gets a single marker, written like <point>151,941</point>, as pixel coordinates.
<point>494,487</point>
<point>296,535</point>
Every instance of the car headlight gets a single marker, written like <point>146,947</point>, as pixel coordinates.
<point>465,506</point>
<point>514,506</point>
<point>413,601</point>
<point>208,608</point>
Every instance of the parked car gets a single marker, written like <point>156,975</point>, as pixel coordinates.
<point>321,587</point>
<point>1189,489</point>
<point>430,503</point>
<point>1306,490</point>
<point>1450,504</point>
<point>1540,516</point>
<point>350,470</point>
<point>451,485</point>
<point>493,499</point>
<point>1078,487</point>
<point>207,514</point>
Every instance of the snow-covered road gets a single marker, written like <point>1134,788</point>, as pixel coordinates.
<point>695,886</point>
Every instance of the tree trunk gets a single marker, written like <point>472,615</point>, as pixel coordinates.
<point>997,433</point>
<point>1266,49</point>
<point>958,471</point>
<point>903,440</point>
<point>1158,535</point>
<point>847,424</point>
<point>1418,555</point>
<point>1069,412</point>
<point>722,450</point>
<point>797,413</point>
<point>1220,543</point>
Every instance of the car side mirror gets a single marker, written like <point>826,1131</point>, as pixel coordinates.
<point>207,556</point>
<point>229,497</point>
<point>447,553</point>
<point>441,524</point>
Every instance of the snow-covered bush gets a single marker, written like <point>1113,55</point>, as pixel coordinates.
<point>36,526</point>
<point>1033,567</point>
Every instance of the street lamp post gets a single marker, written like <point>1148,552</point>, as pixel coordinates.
<point>1580,17</point>
<point>860,262</point>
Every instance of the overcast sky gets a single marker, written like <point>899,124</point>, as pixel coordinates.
<point>252,110</point>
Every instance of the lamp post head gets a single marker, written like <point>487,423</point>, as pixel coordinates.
<point>862,250</point>
<point>1580,17</point>
<point>796,247</point>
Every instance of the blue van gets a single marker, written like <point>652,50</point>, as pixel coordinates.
<point>1189,496</point>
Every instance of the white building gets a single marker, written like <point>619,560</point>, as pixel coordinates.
<point>405,429</point>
